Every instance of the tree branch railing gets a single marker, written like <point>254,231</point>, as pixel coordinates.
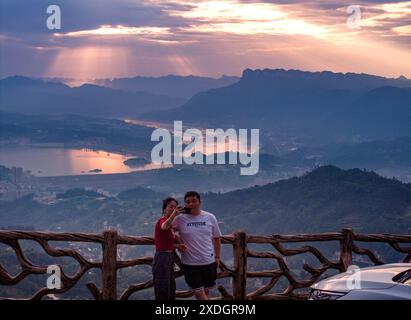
<point>239,273</point>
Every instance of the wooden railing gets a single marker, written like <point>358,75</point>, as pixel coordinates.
<point>239,273</point>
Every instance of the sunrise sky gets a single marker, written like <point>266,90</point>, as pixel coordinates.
<point>105,39</point>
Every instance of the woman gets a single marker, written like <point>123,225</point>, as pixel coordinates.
<point>164,239</point>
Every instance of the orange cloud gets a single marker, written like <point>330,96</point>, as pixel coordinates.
<point>108,30</point>
<point>226,36</point>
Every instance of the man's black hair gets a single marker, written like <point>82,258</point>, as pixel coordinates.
<point>192,194</point>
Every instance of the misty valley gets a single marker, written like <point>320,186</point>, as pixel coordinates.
<point>321,166</point>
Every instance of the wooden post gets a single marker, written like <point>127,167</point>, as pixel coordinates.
<point>109,266</point>
<point>240,265</point>
<point>346,246</point>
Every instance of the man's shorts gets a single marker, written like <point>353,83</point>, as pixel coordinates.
<point>200,277</point>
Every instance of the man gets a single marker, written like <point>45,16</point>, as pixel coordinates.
<point>199,231</point>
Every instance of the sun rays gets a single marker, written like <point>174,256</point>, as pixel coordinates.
<point>223,37</point>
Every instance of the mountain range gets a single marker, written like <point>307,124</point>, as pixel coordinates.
<point>34,96</point>
<point>321,106</point>
<point>171,85</point>
<point>312,107</point>
<point>122,97</point>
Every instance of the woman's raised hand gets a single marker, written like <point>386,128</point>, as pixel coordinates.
<point>177,211</point>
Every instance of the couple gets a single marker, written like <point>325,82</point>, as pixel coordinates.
<point>199,242</point>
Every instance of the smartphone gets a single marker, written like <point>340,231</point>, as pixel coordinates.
<point>187,210</point>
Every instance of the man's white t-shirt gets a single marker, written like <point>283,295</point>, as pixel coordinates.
<point>197,232</point>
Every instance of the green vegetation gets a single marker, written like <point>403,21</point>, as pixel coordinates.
<point>74,131</point>
<point>326,199</point>
<point>79,192</point>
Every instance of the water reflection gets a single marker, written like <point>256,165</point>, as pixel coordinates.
<point>61,162</point>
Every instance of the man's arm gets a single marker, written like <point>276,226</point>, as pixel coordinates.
<point>177,239</point>
<point>178,244</point>
<point>217,250</point>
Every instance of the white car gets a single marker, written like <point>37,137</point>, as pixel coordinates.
<point>385,282</point>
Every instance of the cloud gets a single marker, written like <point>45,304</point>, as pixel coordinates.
<point>108,30</point>
<point>243,18</point>
<point>156,37</point>
<point>403,30</point>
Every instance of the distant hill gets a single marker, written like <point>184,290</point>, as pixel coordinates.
<point>73,131</point>
<point>371,155</point>
<point>171,85</point>
<point>139,193</point>
<point>325,199</point>
<point>297,79</point>
<point>33,96</point>
<point>79,210</point>
<point>79,192</point>
<point>324,106</point>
